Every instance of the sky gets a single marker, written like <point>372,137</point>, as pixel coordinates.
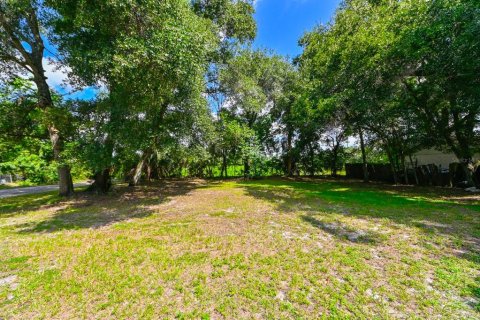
<point>281,23</point>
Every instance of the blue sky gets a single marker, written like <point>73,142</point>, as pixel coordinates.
<point>281,23</point>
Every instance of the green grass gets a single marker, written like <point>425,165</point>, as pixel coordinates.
<point>269,249</point>
<point>26,184</point>
<point>13,186</point>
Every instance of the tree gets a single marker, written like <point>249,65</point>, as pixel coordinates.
<point>400,72</point>
<point>24,147</point>
<point>437,55</point>
<point>22,49</point>
<point>285,115</point>
<point>252,82</point>
<point>152,57</point>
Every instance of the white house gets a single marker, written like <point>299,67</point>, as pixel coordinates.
<point>440,158</point>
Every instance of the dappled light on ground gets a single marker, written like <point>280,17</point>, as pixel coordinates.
<point>242,249</point>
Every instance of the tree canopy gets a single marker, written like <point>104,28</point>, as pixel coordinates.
<point>181,92</point>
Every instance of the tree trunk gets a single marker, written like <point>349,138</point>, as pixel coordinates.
<point>462,149</point>
<point>224,164</point>
<point>149,172</point>
<point>45,102</point>
<point>468,168</point>
<point>414,167</point>
<point>289,165</point>
<point>102,182</point>
<point>405,171</point>
<point>364,157</point>
<point>155,174</point>
<point>31,60</point>
<point>312,161</point>
<point>65,181</point>
<point>334,162</point>
<point>289,155</point>
<point>392,165</point>
<point>135,179</point>
<point>246,169</point>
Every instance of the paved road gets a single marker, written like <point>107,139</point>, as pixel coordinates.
<point>7,193</point>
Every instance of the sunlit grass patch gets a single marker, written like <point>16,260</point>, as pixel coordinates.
<point>22,203</point>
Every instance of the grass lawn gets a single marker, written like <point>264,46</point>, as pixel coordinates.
<point>266,249</point>
<point>26,184</point>
<point>11,186</point>
<point>22,184</point>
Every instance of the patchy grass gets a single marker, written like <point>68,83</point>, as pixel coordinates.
<point>260,249</point>
<point>26,184</point>
<point>10,186</point>
<point>20,184</point>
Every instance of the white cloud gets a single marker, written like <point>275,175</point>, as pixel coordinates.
<point>57,79</point>
<point>57,76</point>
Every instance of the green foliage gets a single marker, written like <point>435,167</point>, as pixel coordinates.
<point>232,19</point>
<point>398,71</point>
<point>153,57</point>
<point>403,75</point>
<point>24,147</point>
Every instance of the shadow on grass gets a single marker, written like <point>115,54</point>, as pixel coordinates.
<point>18,205</point>
<point>96,211</point>
<point>475,291</point>
<point>345,233</point>
<point>432,210</point>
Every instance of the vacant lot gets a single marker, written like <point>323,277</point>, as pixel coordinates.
<point>261,249</point>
